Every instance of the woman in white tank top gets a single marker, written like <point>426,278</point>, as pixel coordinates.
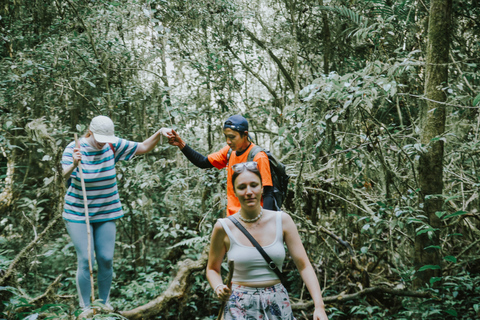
<point>257,293</point>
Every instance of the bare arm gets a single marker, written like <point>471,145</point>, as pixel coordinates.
<point>214,265</point>
<point>151,142</point>
<point>297,251</point>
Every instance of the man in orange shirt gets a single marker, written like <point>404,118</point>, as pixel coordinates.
<point>235,130</point>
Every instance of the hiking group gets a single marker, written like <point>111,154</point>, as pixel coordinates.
<point>253,234</point>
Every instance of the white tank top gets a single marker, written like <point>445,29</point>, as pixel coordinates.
<point>250,266</point>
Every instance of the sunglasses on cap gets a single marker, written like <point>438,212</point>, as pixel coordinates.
<point>240,167</point>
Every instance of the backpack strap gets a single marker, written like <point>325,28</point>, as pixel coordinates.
<point>229,154</point>
<point>112,147</point>
<point>255,150</point>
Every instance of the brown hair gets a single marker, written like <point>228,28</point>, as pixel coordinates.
<point>236,174</point>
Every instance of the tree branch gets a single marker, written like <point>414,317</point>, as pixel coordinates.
<point>332,194</point>
<point>40,300</point>
<point>285,73</point>
<point>97,55</point>
<point>27,249</point>
<point>360,294</point>
<point>256,75</point>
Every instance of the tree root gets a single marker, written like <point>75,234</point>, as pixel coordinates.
<point>175,292</point>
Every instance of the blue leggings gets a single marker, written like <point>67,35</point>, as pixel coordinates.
<point>103,243</point>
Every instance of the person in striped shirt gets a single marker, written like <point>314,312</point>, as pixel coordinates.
<point>98,153</point>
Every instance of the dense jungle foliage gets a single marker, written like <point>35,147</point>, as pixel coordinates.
<point>384,176</point>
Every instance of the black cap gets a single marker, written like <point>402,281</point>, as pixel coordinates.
<point>237,123</point>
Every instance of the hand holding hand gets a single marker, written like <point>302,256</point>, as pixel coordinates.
<point>223,292</point>
<point>174,139</point>
<point>165,131</point>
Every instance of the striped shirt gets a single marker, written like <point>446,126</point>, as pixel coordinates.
<point>100,181</point>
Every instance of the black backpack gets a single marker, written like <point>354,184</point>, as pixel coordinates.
<point>278,172</point>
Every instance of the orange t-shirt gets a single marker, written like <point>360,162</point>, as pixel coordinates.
<point>220,160</point>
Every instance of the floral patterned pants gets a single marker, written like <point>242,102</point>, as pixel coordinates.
<point>248,303</point>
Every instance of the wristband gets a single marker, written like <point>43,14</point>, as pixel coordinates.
<point>218,285</point>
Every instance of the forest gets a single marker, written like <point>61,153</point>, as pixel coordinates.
<point>372,105</point>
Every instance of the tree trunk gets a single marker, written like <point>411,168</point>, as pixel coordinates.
<point>431,161</point>
<point>326,41</point>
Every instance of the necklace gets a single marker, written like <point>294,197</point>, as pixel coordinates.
<point>250,220</point>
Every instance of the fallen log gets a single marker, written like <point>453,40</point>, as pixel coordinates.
<point>175,292</point>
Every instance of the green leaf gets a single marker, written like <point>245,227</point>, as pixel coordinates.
<point>433,196</point>
<point>366,227</point>
<point>435,279</point>
<point>432,247</point>
<point>476,307</point>
<point>439,214</point>
<point>428,267</point>
<point>290,139</point>
<point>411,220</point>
<point>28,73</point>
<point>455,235</point>
<point>452,312</point>
<point>458,213</point>
<point>347,13</point>
<point>451,259</point>
<point>476,100</point>
<point>451,198</point>
<point>139,168</point>
<point>426,230</point>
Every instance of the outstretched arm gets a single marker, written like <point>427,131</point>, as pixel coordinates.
<point>150,143</point>
<point>297,251</point>
<point>193,156</point>
<point>214,265</point>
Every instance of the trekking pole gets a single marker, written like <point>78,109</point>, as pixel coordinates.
<point>228,282</point>
<point>87,222</point>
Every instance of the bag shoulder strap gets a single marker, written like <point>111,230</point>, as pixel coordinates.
<point>251,154</point>
<point>112,147</point>
<point>255,150</point>
<point>267,258</point>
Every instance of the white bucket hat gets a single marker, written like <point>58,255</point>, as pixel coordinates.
<point>103,129</point>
